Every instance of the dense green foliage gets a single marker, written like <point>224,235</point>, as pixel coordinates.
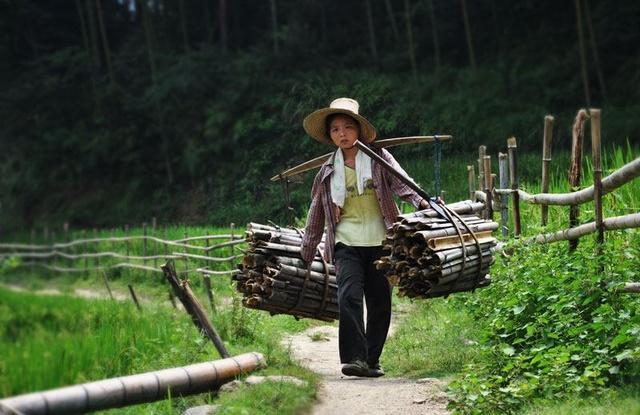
<point>554,324</point>
<point>168,120</point>
<point>555,327</point>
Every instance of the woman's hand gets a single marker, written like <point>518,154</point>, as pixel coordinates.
<point>424,204</point>
<point>337,212</point>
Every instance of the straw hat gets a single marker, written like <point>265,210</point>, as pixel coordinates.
<point>315,123</point>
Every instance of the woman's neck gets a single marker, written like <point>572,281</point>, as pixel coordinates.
<point>349,154</point>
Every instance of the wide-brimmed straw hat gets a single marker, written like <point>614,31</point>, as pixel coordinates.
<point>315,123</point>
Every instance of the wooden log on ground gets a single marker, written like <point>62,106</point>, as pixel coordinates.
<point>134,389</point>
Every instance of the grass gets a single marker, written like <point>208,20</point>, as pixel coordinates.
<point>52,341</point>
<point>435,338</point>
<point>616,402</point>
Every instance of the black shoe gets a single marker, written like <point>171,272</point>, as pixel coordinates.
<point>375,371</point>
<point>356,368</point>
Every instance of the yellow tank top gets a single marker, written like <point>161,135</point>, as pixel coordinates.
<point>361,222</point>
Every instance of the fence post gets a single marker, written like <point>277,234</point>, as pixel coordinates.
<point>45,234</point>
<point>33,251</point>
<point>166,238</point>
<point>154,251</point>
<point>85,246</point>
<point>512,148</point>
<point>144,245</point>
<point>546,161</point>
<point>209,291</point>
<point>186,258</point>
<point>482,151</point>
<point>96,247</point>
<point>126,241</point>
<point>106,284</point>
<point>597,176</point>
<point>486,167</point>
<point>233,247</point>
<point>65,229</point>
<point>575,171</point>
<point>134,297</point>
<point>503,170</point>
<point>471,177</point>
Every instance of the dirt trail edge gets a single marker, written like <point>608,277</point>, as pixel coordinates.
<point>317,349</point>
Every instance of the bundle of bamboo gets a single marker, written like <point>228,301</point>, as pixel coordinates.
<point>429,257</point>
<point>273,276</point>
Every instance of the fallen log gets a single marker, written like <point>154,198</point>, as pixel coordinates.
<point>134,389</point>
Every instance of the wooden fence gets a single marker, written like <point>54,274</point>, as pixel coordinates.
<point>497,198</point>
<point>144,253</point>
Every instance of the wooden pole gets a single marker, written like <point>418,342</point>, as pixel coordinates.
<point>471,177</point>
<point>65,228</point>
<point>134,389</point>
<point>33,241</point>
<point>193,307</point>
<point>96,246</point>
<point>134,297</point>
<point>209,291</point>
<point>512,148</point>
<point>154,251</point>
<point>546,161</point>
<point>85,247</point>
<point>617,222</point>
<point>575,170</point>
<point>233,248</point>
<point>126,242</point>
<point>488,184</point>
<point>503,170</point>
<point>597,175</point>
<point>186,258</point>
<point>166,238</point>
<point>144,243</point>
<point>106,284</point>
<point>482,151</point>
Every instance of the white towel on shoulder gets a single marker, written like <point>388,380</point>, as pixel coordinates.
<point>338,178</point>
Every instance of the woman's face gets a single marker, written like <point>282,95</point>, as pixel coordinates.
<point>344,130</point>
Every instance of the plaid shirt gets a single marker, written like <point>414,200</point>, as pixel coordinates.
<point>321,211</point>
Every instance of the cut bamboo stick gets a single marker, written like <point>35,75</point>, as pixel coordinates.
<point>546,161</point>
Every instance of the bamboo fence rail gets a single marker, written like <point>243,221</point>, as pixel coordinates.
<point>618,178</point>
<point>36,255</point>
<point>484,192</point>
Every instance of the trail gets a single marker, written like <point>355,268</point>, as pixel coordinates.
<point>317,349</point>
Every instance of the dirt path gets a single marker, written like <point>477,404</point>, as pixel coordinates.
<point>317,349</point>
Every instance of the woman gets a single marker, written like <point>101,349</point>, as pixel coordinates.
<point>353,196</point>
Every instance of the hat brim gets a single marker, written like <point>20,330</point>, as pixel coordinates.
<point>315,125</point>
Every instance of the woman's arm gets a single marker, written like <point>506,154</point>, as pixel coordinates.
<point>315,223</point>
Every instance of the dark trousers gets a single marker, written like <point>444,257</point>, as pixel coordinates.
<point>358,276</point>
